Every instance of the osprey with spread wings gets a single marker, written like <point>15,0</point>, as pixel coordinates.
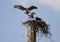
<point>26,10</point>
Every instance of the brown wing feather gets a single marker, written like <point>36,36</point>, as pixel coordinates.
<point>32,7</point>
<point>19,7</point>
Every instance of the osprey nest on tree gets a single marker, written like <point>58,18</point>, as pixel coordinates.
<point>26,10</point>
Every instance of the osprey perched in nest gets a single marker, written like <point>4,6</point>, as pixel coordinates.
<point>27,10</point>
<point>31,15</point>
<point>42,26</point>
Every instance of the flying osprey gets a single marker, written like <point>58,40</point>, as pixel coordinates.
<point>25,9</point>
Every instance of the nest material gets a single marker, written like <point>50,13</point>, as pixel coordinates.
<point>39,26</point>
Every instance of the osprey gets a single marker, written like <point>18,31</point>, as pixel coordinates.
<point>27,10</point>
<point>37,18</point>
<point>31,15</point>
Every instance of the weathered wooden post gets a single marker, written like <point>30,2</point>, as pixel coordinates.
<point>29,31</point>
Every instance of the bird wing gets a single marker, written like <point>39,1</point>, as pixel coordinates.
<point>19,7</point>
<point>32,7</point>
